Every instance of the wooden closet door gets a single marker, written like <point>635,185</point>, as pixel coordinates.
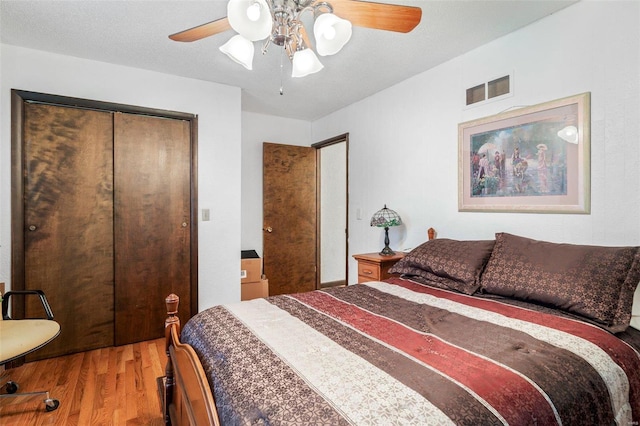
<point>68,213</point>
<point>152,159</point>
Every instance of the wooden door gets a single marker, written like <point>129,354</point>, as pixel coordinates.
<point>152,187</point>
<point>289,218</point>
<point>68,223</point>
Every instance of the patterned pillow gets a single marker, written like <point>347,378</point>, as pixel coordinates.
<point>450,264</point>
<point>594,282</point>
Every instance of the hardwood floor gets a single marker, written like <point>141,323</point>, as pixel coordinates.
<point>110,386</point>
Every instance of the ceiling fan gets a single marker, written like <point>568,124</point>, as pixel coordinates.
<point>279,22</point>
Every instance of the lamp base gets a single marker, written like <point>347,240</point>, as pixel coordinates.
<point>386,251</point>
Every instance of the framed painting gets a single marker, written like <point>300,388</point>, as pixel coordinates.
<point>535,159</point>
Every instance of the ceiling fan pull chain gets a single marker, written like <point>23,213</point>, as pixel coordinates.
<point>281,72</point>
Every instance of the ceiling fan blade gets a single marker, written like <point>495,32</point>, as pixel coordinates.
<point>305,37</point>
<point>202,31</point>
<point>381,16</point>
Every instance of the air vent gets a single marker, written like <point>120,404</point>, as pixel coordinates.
<point>491,89</point>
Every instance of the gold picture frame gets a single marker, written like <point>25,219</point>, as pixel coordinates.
<point>534,159</point>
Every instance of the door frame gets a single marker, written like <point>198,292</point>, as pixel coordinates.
<point>18,98</point>
<point>318,146</point>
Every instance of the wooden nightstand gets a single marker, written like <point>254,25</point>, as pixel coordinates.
<point>374,266</point>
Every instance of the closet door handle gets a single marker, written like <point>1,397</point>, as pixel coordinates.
<point>32,228</point>
<point>184,224</point>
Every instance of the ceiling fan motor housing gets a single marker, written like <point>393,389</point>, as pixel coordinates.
<point>281,34</point>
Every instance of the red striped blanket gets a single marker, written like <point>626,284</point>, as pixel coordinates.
<point>398,352</point>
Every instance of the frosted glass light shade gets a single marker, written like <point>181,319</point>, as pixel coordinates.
<point>250,18</point>
<point>305,62</point>
<point>240,50</point>
<point>331,33</point>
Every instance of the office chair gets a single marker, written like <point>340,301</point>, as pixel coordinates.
<point>20,337</point>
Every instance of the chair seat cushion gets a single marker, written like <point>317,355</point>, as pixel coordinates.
<point>19,337</point>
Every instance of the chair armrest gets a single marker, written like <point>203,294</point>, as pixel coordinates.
<point>40,293</point>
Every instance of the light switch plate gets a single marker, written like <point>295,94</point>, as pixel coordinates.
<point>205,215</point>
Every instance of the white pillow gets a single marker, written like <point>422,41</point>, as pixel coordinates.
<point>635,310</point>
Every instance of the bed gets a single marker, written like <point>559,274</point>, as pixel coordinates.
<point>506,331</point>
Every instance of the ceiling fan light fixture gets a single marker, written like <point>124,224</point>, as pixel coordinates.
<point>253,12</point>
<point>305,62</point>
<point>280,23</point>
<point>240,50</point>
<point>331,33</point>
<point>250,18</point>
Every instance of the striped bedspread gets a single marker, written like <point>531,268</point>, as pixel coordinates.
<point>398,352</point>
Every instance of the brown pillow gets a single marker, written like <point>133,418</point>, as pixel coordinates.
<point>450,264</point>
<point>594,282</point>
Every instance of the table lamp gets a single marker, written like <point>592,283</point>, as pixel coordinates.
<point>385,218</point>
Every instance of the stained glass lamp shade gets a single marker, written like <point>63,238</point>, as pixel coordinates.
<point>386,218</point>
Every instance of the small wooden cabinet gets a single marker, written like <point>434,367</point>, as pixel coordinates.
<point>374,266</point>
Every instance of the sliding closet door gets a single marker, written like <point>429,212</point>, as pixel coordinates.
<point>152,159</point>
<point>68,214</point>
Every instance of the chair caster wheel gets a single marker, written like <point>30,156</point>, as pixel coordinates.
<point>11,387</point>
<point>51,404</point>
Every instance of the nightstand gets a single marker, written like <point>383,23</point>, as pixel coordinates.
<point>374,266</point>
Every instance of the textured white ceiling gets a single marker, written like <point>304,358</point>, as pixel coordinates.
<point>135,33</point>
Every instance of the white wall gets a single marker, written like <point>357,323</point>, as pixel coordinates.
<point>219,127</point>
<point>257,129</point>
<point>403,141</point>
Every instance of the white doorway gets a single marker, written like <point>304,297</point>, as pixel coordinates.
<point>333,211</point>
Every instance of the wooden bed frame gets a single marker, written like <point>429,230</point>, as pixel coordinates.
<point>186,396</point>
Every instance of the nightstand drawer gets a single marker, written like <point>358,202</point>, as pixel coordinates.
<point>374,266</point>
<point>368,270</point>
